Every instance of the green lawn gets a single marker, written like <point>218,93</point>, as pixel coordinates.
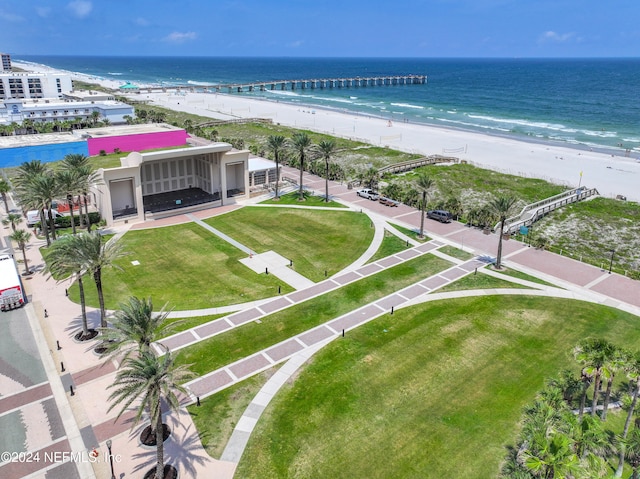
<point>391,244</point>
<point>218,414</point>
<point>185,266</point>
<point>479,281</point>
<point>413,234</point>
<point>316,240</point>
<point>191,322</point>
<point>434,391</point>
<point>309,200</point>
<point>456,252</point>
<point>215,352</point>
<point>520,275</point>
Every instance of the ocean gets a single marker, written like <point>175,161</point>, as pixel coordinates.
<point>587,103</point>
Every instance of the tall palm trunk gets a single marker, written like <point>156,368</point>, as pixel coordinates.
<point>6,203</point>
<point>80,212</point>
<point>159,445</point>
<point>625,430</point>
<point>596,391</point>
<point>422,208</point>
<point>52,224</point>
<point>607,397</point>
<point>24,257</point>
<point>326,181</point>
<point>499,258</point>
<point>83,308</point>
<point>300,191</point>
<point>97,277</point>
<point>44,227</point>
<point>86,210</point>
<point>277,174</point>
<point>73,221</point>
<point>583,399</point>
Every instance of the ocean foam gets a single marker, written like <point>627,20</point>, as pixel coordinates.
<point>408,105</point>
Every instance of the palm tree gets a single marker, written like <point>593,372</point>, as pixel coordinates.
<point>5,188</point>
<point>12,219</point>
<point>95,117</point>
<point>150,380</point>
<point>95,255</point>
<point>327,149</point>
<point>37,192</point>
<point>592,443</point>
<point>501,206</point>
<point>22,237</point>
<point>301,143</point>
<point>69,184</point>
<point>631,452</point>
<point>594,354</point>
<point>614,362</point>
<point>553,457</point>
<point>86,176</point>
<point>134,327</point>
<point>64,261</point>
<point>424,184</point>
<point>276,144</point>
<point>632,367</point>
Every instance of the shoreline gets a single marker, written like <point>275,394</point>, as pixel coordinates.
<point>610,173</point>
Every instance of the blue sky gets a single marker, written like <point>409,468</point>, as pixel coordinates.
<point>332,28</point>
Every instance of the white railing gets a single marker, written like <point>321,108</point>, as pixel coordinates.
<point>537,210</point>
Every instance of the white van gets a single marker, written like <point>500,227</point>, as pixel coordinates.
<point>33,216</point>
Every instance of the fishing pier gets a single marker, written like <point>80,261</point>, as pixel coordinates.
<point>289,85</point>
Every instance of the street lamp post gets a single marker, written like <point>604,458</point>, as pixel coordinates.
<point>113,476</point>
<point>613,251</point>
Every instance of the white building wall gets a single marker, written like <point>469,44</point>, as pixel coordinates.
<point>42,85</point>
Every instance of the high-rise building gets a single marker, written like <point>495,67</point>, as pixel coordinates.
<point>5,58</point>
<point>20,85</point>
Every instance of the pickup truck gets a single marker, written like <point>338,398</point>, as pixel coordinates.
<point>368,193</point>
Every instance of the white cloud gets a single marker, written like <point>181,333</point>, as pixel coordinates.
<point>43,11</point>
<point>555,37</point>
<point>180,37</point>
<point>143,22</point>
<point>10,17</point>
<point>296,44</point>
<point>80,8</point>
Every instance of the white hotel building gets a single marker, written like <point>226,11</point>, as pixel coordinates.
<point>27,85</point>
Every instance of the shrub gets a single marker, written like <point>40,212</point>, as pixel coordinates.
<point>65,221</point>
<point>103,153</point>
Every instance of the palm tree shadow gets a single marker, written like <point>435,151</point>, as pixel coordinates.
<point>93,321</point>
<point>183,450</point>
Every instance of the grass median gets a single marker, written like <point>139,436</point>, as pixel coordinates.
<point>215,352</point>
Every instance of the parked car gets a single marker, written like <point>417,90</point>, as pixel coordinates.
<point>33,216</point>
<point>442,216</point>
<point>368,193</point>
<point>387,201</point>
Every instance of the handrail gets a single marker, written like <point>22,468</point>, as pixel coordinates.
<point>540,208</point>
<point>412,164</point>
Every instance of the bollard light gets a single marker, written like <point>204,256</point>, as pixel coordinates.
<point>109,443</point>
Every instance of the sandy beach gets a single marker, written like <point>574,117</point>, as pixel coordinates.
<point>610,174</point>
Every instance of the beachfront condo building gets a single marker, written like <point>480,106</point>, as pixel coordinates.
<point>26,85</point>
<point>5,62</point>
